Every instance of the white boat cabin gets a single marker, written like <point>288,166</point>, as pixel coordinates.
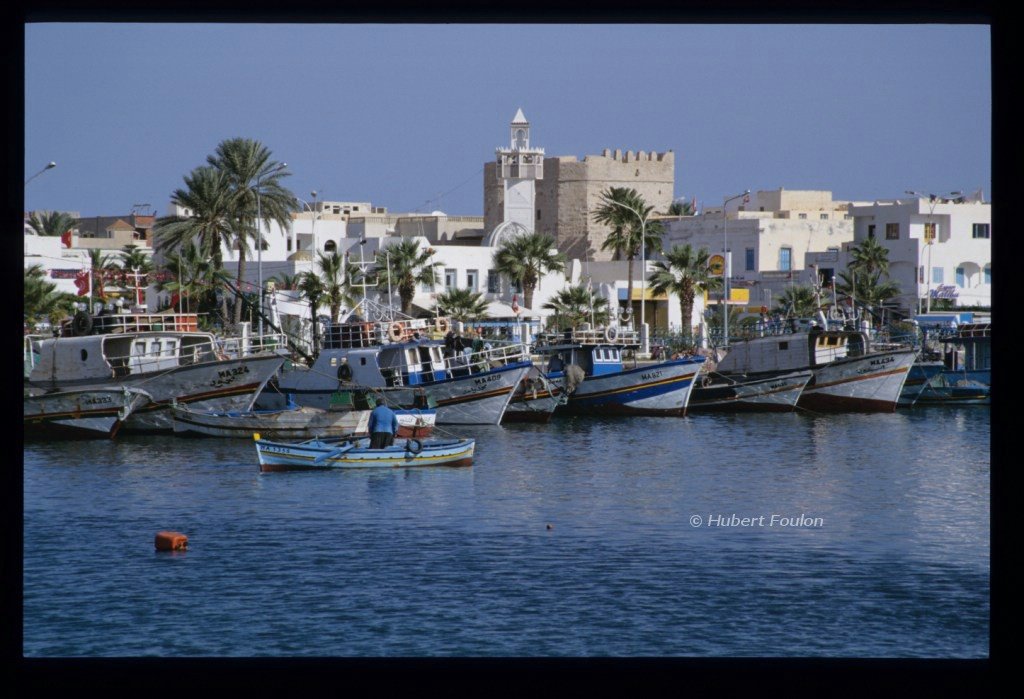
<point>792,351</point>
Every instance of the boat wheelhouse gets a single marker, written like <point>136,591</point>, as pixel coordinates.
<point>162,354</point>
<point>599,378</point>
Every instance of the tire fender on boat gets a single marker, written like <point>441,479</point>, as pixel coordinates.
<point>611,333</point>
<point>414,445</point>
<point>81,323</point>
<point>441,325</point>
<point>344,372</point>
<point>395,331</point>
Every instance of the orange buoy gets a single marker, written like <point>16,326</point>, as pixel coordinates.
<point>171,541</point>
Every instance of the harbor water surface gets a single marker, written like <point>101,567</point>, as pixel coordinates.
<point>859,535</point>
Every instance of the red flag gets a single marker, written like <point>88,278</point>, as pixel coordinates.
<point>65,238</point>
<point>515,303</point>
<point>174,301</point>
<point>82,282</point>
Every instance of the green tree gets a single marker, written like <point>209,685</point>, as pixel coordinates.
<point>680,208</point>
<point>798,301</point>
<point>42,300</point>
<point>51,223</point>
<point>684,272</point>
<point>626,212</point>
<point>461,304</point>
<point>335,281</point>
<point>254,191</point>
<point>208,228</point>
<point>286,281</point>
<point>135,262</point>
<point>868,290</point>
<point>526,258</point>
<point>869,257</point>
<point>103,268</point>
<point>195,277</point>
<point>575,305</point>
<point>407,266</point>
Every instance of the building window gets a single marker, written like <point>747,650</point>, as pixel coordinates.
<point>960,277</point>
<point>979,230</point>
<point>450,278</point>
<point>892,231</point>
<point>538,214</point>
<point>750,260</point>
<point>871,230</point>
<point>937,275</point>
<point>920,274</point>
<point>330,246</point>
<point>929,232</point>
<point>493,282</point>
<point>823,217</point>
<point>515,286</point>
<point>988,274</point>
<point>802,215</point>
<point>785,259</point>
<point>471,276</point>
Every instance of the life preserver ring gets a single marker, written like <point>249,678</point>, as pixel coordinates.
<point>344,372</point>
<point>626,316</point>
<point>81,323</point>
<point>395,331</point>
<point>413,449</point>
<point>611,334</point>
<point>441,325</point>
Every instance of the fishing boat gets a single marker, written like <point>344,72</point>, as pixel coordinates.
<point>719,392</point>
<point>921,372</point>
<point>315,454</point>
<point>947,389</point>
<point>295,422</point>
<point>165,355</point>
<point>850,374</point>
<point>403,357</point>
<point>535,399</point>
<point>967,353</point>
<point>84,413</point>
<point>593,371</point>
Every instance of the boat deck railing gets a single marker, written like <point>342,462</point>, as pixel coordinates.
<point>591,336</point>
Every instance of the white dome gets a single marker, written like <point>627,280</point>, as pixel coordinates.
<point>438,213</point>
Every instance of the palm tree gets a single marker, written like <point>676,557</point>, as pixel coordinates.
<point>407,266</point>
<point>684,272</point>
<point>461,304</point>
<point>311,288</point>
<point>680,208</point>
<point>195,276</point>
<point>869,257</point>
<point>868,290</point>
<point>103,268</point>
<point>255,191</point>
<point>42,298</point>
<point>578,304</point>
<point>335,277</point>
<point>209,228</point>
<point>526,258</point>
<point>626,211</point>
<point>51,223</point>
<point>798,301</point>
<point>286,281</point>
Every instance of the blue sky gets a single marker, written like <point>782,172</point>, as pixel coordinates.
<point>406,115</point>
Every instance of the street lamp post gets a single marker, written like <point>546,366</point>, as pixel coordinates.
<point>643,273</point>
<point>259,243</point>
<point>49,166</point>
<point>933,200</point>
<point>728,267</point>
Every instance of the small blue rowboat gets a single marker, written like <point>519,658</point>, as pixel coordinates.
<point>349,452</point>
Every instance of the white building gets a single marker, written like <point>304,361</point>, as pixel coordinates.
<point>938,249</point>
<point>772,237</point>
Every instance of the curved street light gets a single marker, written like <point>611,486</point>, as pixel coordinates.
<point>728,267</point>
<point>933,199</point>
<point>49,166</point>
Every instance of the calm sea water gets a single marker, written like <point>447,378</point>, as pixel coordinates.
<point>584,537</point>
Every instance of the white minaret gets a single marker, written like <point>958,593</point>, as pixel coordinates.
<point>519,166</point>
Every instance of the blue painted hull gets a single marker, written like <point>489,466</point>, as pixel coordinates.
<point>656,389</point>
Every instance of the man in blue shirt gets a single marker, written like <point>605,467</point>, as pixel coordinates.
<point>383,427</point>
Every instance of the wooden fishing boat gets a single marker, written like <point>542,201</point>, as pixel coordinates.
<point>736,392</point>
<point>294,422</point>
<point>320,453</point>
<point>84,413</point>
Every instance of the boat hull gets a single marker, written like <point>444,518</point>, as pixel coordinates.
<point>952,389</point>
<point>869,383</point>
<point>298,423</point>
<point>474,399</point>
<point>317,455</point>
<point>657,389</point>
<point>534,400</point>
<point>80,414</point>
<point>738,393</point>
<point>919,375</point>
